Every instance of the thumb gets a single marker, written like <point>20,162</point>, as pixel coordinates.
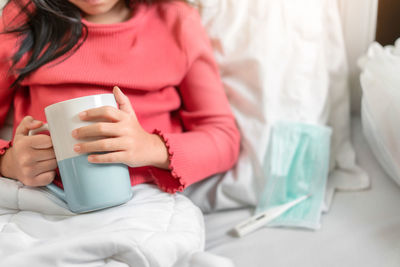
<point>28,123</point>
<point>123,101</point>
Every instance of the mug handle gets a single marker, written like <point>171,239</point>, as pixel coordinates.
<point>52,187</point>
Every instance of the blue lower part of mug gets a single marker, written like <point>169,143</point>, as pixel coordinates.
<point>90,186</point>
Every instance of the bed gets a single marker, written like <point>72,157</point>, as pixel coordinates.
<point>361,229</point>
<point>361,223</point>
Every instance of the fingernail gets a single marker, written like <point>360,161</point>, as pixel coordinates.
<point>83,114</point>
<point>118,89</point>
<point>77,148</point>
<point>74,133</point>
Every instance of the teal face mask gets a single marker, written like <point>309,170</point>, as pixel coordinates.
<point>295,165</point>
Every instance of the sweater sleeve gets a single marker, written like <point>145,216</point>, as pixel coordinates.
<point>210,142</point>
<point>6,93</point>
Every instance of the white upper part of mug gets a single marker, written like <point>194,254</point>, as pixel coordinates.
<point>63,118</point>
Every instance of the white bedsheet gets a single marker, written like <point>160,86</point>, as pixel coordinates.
<point>361,229</point>
<point>153,229</point>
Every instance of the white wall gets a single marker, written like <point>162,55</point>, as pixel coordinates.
<point>359,25</point>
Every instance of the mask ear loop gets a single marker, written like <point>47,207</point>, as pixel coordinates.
<point>302,188</point>
<point>286,191</point>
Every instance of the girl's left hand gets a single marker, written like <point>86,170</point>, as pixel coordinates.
<point>119,133</point>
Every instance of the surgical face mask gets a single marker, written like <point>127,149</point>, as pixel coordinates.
<point>295,165</point>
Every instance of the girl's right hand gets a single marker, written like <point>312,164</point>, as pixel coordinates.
<point>31,159</point>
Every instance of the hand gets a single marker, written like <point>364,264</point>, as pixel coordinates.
<point>31,159</point>
<point>119,133</point>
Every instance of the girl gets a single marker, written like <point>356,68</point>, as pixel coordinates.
<point>173,127</point>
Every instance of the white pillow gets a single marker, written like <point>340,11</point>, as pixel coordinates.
<point>380,105</point>
<point>279,60</point>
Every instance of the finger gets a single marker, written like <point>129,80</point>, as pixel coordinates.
<point>123,101</point>
<point>104,113</point>
<point>102,129</point>
<point>40,141</point>
<point>103,145</point>
<point>113,157</point>
<point>44,178</point>
<point>44,154</point>
<point>45,166</point>
<point>27,123</point>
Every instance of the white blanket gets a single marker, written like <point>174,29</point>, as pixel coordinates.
<point>153,229</point>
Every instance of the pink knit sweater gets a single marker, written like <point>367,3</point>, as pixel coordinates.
<point>162,60</point>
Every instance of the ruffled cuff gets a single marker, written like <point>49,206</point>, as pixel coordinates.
<point>167,180</point>
<point>4,145</point>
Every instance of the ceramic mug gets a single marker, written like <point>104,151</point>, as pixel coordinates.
<point>87,186</point>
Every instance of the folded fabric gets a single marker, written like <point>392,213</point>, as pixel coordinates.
<point>153,229</point>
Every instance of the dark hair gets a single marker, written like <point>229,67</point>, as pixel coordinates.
<point>50,29</point>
